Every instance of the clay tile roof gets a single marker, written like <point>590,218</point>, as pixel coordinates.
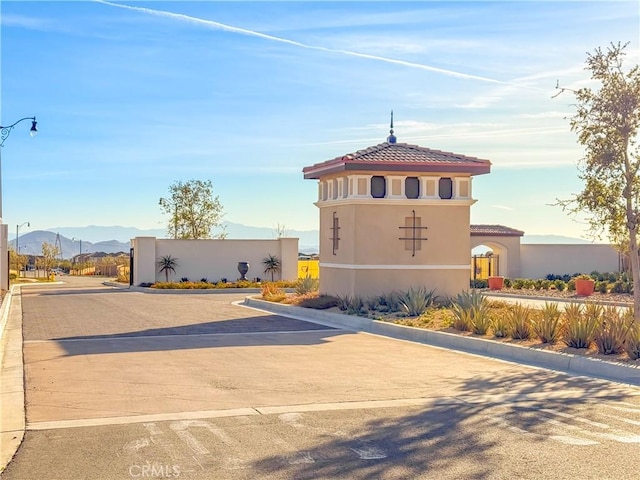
<point>401,157</point>
<point>495,230</point>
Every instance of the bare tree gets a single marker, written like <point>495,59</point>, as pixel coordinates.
<point>193,210</point>
<point>607,122</point>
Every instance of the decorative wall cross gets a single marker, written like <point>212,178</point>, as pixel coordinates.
<point>414,232</point>
<point>335,233</point>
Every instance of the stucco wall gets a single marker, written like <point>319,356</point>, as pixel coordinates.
<point>371,282</point>
<point>372,259</point>
<point>539,260</point>
<point>212,259</point>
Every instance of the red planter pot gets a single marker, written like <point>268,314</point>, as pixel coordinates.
<point>584,287</point>
<point>496,283</point>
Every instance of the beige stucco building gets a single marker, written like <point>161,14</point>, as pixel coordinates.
<point>395,216</point>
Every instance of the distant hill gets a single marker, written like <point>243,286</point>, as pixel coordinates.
<point>93,238</point>
<point>554,239</point>
<point>31,244</point>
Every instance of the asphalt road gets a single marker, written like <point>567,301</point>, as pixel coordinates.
<point>125,385</point>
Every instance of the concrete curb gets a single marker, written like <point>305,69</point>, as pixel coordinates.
<point>12,416</point>
<point>563,362</point>
<point>186,291</point>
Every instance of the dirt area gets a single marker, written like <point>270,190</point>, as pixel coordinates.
<point>440,319</point>
<point>621,298</point>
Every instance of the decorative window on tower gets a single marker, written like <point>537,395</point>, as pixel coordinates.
<point>378,187</point>
<point>412,187</point>
<point>445,187</point>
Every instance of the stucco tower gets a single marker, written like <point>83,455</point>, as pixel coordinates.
<point>395,216</point>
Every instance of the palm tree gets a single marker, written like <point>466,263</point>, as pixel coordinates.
<point>271,265</point>
<point>167,264</point>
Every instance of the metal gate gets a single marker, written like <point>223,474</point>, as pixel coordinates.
<point>484,266</point>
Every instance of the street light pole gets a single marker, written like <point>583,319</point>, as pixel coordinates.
<point>17,243</point>
<point>5,131</point>
<point>4,134</point>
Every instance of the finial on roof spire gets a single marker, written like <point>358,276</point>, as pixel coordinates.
<point>391,138</point>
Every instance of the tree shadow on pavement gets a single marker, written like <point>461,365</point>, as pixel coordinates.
<point>473,436</point>
<point>248,331</point>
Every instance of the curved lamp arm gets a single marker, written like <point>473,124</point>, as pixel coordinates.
<point>5,131</point>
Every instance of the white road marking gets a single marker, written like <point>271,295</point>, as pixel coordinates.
<point>137,444</point>
<point>370,452</point>
<point>181,428</point>
<point>608,436</point>
<point>621,419</point>
<point>568,440</point>
<point>575,418</point>
<point>365,451</point>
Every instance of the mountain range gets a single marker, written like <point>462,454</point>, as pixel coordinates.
<point>93,238</point>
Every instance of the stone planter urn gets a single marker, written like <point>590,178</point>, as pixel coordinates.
<point>243,268</point>
<point>584,287</point>
<point>495,283</point>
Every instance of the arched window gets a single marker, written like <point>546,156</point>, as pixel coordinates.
<point>378,187</point>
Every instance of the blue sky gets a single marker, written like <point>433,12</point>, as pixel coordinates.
<point>133,96</point>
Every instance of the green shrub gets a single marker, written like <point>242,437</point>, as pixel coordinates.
<point>499,326</point>
<point>507,282</point>
<point>611,333</point>
<point>373,303</point>
<point>601,287</point>
<point>471,313</point>
<point>479,283</point>
<point>461,318</point>
<point>353,305</point>
<point>389,300</point>
<point>272,292</point>
<point>518,321</point>
<point>580,327</point>
<point>632,340</point>
<point>518,283</point>
<point>469,299</point>
<point>321,302</point>
<point>357,306</point>
<point>343,302</point>
<point>548,327</point>
<point>307,285</point>
<point>620,286</point>
<point>571,285</point>
<point>560,285</point>
<point>480,318</point>
<point>415,301</point>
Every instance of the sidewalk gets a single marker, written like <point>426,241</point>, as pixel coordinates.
<point>12,416</point>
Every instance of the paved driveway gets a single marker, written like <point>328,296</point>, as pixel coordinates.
<point>118,382</point>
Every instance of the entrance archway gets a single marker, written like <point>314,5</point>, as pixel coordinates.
<point>504,243</point>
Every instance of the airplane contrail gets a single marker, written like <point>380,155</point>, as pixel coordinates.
<point>228,28</point>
